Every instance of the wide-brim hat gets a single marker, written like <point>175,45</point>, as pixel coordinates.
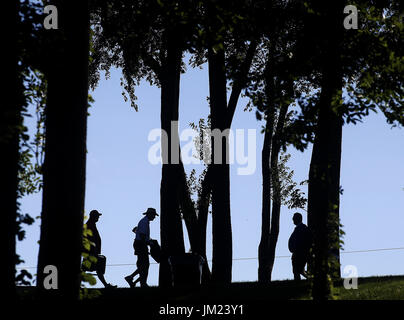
<point>150,211</point>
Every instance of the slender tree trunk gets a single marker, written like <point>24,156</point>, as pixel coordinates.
<point>172,238</point>
<point>65,152</point>
<point>198,242</point>
<point>188,211</point>
<point>263,248</point>
<point>271,184</point>
<point>323,195</point>
<point>276,186</point>
<point>221,221</point>
<point>221,118</point>
<point>203,210</point>
<point>196,224</point>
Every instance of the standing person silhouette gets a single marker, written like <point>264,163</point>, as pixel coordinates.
<point>299,244</point>
<point>140,244</point>
<point>95,248</point>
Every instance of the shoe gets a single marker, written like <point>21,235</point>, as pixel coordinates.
<point>129,280</point>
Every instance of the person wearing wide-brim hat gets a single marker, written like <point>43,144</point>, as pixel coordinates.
<point>140,244</point>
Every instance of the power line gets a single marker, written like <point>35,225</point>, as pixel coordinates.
<point>342,252</point>
<point>242,259</point>
<point>371,250</point>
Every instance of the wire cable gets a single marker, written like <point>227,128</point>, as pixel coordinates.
<point>243,259</point>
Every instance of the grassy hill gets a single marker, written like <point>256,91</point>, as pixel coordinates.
<point>374,288</point>
<point>371,288</point>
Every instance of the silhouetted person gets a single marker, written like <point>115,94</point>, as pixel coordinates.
<point>299,245</point>
<point>129,279</point>
<point>140,244</point>
<point>95,248</point>
<point>155,252</point>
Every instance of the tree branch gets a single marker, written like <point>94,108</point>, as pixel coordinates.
<point>240,82</point>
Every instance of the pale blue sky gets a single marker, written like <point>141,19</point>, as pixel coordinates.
<point>121,184</point>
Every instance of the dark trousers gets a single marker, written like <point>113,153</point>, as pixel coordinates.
<point>98,266</point>
<point>142,261</point>
<point>298,263</point>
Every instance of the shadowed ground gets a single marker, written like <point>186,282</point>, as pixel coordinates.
<point>371,288</point>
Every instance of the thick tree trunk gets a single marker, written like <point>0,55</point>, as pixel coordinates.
<point>65,152</point>
<point>334,200</point>
<point>221,221</point>
<point>8,190</point>
<point>324,176</point>
<point>323,202</point>
<point>9,144</point>
<point>10,120</point>
<point>171,232</point>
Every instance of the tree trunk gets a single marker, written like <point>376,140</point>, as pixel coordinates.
<point>172,238</point>
<point>322,201</point>
<point>221,221</point>
<point>10,120</point>
<point>276,186</point>
<point>221,118</point>
<point>263,248</point>
<point>65,152</point>
<point>196,224</point>
<point>203,210</point>
<point>188,211</point>
<point>323,195</point>
<point>334,200</point>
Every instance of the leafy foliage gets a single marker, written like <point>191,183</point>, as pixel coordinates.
<point>87,261</point>
<point>31,154</point>
<point>291,195</point>
<point>373,61</point>
<point>203,146</point>
<point>21,278</point>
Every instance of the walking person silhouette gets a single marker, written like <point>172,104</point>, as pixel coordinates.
<point>129,278</point>
<point>95,248</point>
<point>299,244</point>
<point>142,240</point>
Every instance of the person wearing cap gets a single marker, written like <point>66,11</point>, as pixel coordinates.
<point>299,245</point>
<point>95,248</point>
<point>140,244</point>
